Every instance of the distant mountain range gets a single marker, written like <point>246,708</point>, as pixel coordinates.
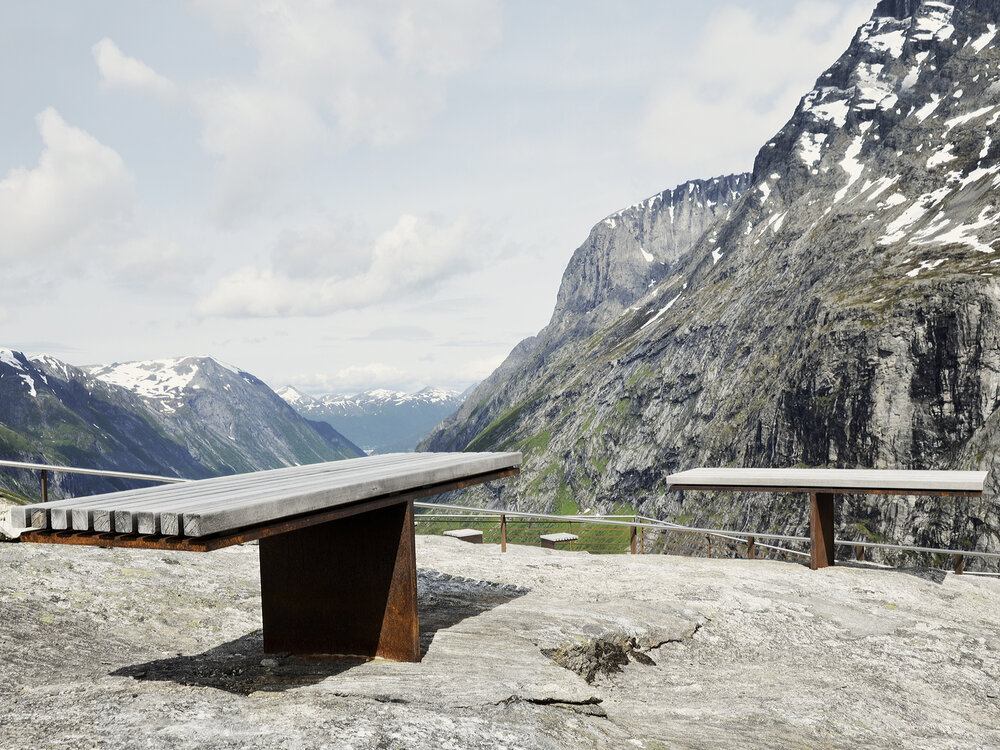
<point>839,306</point>
<point>190,417</point>
<point>380,421</point>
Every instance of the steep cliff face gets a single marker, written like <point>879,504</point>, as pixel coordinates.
<point>845,312</point>
<point>632,250</point>
<point>625,255</point>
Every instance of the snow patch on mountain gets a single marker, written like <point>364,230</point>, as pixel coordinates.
<point>10,357</point>
<point>157,378</point>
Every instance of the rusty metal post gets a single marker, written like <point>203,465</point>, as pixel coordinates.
<point>959,564</point>
<point>751,548</point>
<point>859,553</point>
<point>347,587</point>
<point>821,530</point>
<point>45,486</point>
<point>642,541</point>
<point>632,539</point>
<point>503,532</point>
<point>708,538</point>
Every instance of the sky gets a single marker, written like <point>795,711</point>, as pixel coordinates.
<point>348,195</point>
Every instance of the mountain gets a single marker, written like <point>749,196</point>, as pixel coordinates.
<point>625,255</point>
<point>381,421</point>
<point>844,311</point>
<point>192,417</point>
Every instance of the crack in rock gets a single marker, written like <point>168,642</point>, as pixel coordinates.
<point>588,706</point>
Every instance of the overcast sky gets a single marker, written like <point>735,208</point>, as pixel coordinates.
<point>348,195</point>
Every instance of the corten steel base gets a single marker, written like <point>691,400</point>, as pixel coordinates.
<point>821,530</point>
<point>346,587</point>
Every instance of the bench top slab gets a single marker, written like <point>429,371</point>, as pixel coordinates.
<point>223,504</point>
<point>559,537</point>
<point>894,481</point>
<point>462,533</point>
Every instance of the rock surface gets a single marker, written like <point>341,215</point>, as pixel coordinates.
<point>123,649</point>
<point>625,255</point>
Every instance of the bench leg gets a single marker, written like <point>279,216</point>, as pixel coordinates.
<point>821,530</point>
<point>346,587</point>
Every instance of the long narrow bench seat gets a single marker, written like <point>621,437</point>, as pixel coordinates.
<point>337,560</point>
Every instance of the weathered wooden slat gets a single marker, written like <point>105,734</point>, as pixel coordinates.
<point>208,488</point>
<point>171,514</point>
<point>203,507</point>
<point>61,511</point>
<point>83,509</point>
<point>215,521</point>
<point>153,512</point>
<point>20,517</point>
<point>251,533</point>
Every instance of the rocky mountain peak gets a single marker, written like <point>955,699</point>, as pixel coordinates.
<point>294,397</point>
<point>635,248</point>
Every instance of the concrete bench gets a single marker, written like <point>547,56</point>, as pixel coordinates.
<point>551,541</point>
<point>337,567</point>
<point>473,536</point>
<point>822,484</point>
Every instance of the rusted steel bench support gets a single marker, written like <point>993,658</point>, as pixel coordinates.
<point>346,587</point>
<point>821,553</point>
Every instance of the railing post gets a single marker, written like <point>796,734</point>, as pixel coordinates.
<point>503,532</point>
<point>632,539</point>
<point>708,538</point>
<point>751,548</point>
<point>859,553</point>
<point>959,564</point>
<point>642,541</point>
<point>45,486</point>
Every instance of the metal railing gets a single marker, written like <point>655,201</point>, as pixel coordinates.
<point>645,535</point>
<point>44,470</point>
<point>634,534</point>
<point>599,533</point>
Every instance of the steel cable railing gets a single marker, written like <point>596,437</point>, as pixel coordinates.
<point>613,533</point>
<point>647,535</point>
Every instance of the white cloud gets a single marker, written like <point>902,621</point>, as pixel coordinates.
<point>257,133</point>
<point>413,256</point>
<point>78,184</point>
<point>479,369</point>
<point>355,378</point>
<point>743,83</point>
<point>331,75</point>
<point>150,261</point>
<point>120,71</point>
